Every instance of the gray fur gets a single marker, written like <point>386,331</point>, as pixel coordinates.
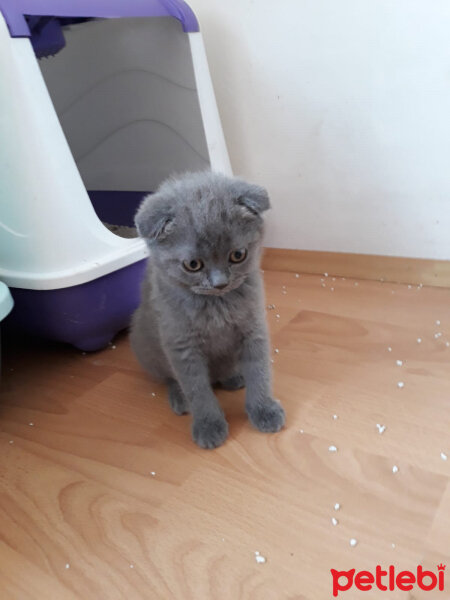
<point>196,329</point>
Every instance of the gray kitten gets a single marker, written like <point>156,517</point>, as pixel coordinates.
<point>201,321</point>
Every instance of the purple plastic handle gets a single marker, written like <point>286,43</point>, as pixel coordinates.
<point>14,11</point>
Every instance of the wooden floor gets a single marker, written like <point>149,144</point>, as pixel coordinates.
<point>104,496</point>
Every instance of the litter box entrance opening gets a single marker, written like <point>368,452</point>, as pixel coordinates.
<point>125,94</point>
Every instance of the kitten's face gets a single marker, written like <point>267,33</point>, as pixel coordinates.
<point>204,231</point>
<point>212,261</point>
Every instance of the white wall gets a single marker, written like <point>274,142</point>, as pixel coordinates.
<point>342,109</point>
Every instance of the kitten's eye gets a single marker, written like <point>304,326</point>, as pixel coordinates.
<point>238,256</point>
<point>193,265</point>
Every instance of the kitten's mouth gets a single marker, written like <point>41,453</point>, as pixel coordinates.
<point>216,292</point>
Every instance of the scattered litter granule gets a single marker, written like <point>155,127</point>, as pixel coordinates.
<point>337,506</point>
<point>353,542</point>
<point>302,430</point>
<point>447,344</point>
<point>389,349</point>
<point>325,274</point>
<point>335,417</point>
<point>437,335</point>
<point>356,283</point>
<point>400,384</point>
<point>444,456</point>
<point>333,279</point>
<point>395,469</point>
<point>11,441</point>
<point>152,473</point>
<point>399,363</point>
<point>259,559</point>
<point>271,306</point>
<point>153,394</point>
<point>67,566</point>
<point>277,316</point>
<point>323,285</point>
<point>272,361</point>
<point>332,449</point>
<point>297,275</point>
<point>438,322</point>
<point>113,347</point>
<point>332,289</point>
<point>131,566</point>
<point>334,521</point>
<point>393,546</point>
<point>381,428</point>
<point>419,340</point>
<point>276,351</point>
<point>31,424</point>
<point>283,291</point>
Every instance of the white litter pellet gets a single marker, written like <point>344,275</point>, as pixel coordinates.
<point>302,430</point>
<point>332,449</point>
<point>326,274</point>
<point>334,521</point>
<point>333,279</point>
<point>438,322</point>
<point>419,340</point>
<point>437,335</point>
<point>395,469</point>
<point>400,384</point>
<point>323,285</point>
<point>335,417</point>
<point>152,473</point>
<point>332,289</point>
<point>393,545</point>
<point>276,351</point>
<point>444,456</point>
<point>283,291</point>
<point>447,344</point>
<point>11,441</point>
<point>381,428</point>
<point>353,542</point>
<point>277,316</point>
<point>67,566</point>
<point>337,506</point>
<point>356,283</point>
<point>31,424</point>
<point>131,566</point>
<point>409,287</point>
<point>389,349</point>
<point>153,394</point>
<point>272,361</point>
<point>284,287</point>
<point>399,363</point>
<point>113,347</point>
<point>297,275</point>
<point>259,559</point>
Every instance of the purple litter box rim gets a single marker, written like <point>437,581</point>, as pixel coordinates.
<point>14,11</point>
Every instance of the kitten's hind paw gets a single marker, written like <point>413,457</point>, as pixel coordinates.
<point>177,401</point>
<point>268,417</point>
<point>210,432</point>
<point>235,382</point>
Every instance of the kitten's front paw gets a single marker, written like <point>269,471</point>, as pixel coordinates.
<point>267,417</point>
<point>209,432</point>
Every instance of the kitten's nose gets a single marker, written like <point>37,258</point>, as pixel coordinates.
<point>218,279</point>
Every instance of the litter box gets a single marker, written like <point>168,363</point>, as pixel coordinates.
<point>103,101</point>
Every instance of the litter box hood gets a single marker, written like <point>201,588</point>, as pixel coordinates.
<point>126,102</point>
<point>14,11</point>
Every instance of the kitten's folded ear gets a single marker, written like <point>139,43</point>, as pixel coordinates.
<point>155,218</point>
<point>254,198</point>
